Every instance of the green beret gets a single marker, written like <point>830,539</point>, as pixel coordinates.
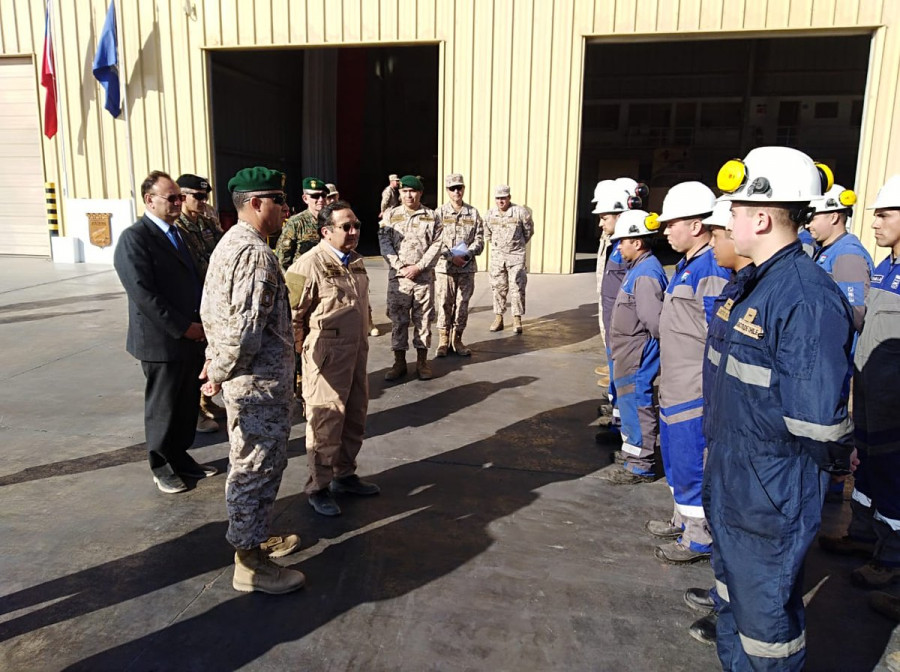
<point>256,179</point>
<point>411,182</point>
<point>313,185</point>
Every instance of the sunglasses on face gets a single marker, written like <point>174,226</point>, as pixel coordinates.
<point>277,199</point>
<point>174,198</point>
<point>458,187</point>
<point>316,197</point>
<point>347,228</point>
<point>199,195</point>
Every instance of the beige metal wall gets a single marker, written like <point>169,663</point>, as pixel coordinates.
<point>511,80</point>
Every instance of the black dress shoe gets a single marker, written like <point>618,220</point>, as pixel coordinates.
<point>190,468</point>
<point>704,629</point>
<point>324,504</point>
<point>699,599</point>
<point>353,485</point>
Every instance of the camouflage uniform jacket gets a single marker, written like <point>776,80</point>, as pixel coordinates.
<point>390,198</point>
<point>410,238</point>
<point>247,320</point>
<point>201,238</point>
<point>508,232</point>
<point>329,299</point>
<point>299,234</point>
<point>464,227</point>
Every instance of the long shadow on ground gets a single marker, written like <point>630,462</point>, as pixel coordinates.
<point>431,518</point>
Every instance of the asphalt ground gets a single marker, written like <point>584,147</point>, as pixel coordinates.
<point>493,546</point>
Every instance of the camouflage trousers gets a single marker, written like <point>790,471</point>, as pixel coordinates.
<point>410,301</point>
<point>259,436</point>
<point>508,278</point>
<point>452,292</point>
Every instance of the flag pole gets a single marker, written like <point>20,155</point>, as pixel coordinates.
<point>61,123</point>
<point>130,151</point>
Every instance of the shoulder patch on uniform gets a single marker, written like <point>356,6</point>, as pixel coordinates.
<point>266,276</point>
<point>295,284</point>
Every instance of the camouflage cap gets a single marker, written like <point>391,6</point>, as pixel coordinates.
<point>195,182</point>
<point>332,189</point>
<point>454,180</point>
<point>411,182</point>
<point>257,178</point>
<point>313,185</point>
<point>393,177</point>
<point>501,191</point>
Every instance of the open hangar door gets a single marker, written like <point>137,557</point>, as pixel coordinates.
<point>666,112</point>
<point>348,115</point>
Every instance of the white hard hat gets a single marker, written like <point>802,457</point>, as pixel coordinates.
<point>688,199</point>
<point>774,175</point>
<point>636,223</point>
<point>721,214</point>
<point>888,195</point>
<point>612,196</point>
<point>836,199</point>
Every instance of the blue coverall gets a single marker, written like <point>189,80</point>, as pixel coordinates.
<point>776,421</point>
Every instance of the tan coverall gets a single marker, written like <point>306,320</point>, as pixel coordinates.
<point>330,304</point>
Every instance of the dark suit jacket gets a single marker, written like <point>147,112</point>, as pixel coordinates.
<point>163,294</point>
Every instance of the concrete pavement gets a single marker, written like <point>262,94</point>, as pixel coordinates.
<point>494,544</point>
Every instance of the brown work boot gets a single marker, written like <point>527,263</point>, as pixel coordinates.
<point>253,571</point>
<point>662,529</point>
<point>885,604</point>
<point>211,409</point>
<point>517,324</point>
<point>875,575</point>
<point>497,324</point>
<point>423,368</point>
<point>398,370</point>
<point>444,335</point>
<point>458,346</point>
<point>846,545</point>
<point>278,547</point>
<point>675,553</point>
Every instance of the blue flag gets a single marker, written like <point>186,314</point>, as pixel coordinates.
<point>106,62</point>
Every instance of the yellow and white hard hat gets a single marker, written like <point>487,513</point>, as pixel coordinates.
<point>687,199</point>
<point>836,199</point>
<point>888,195</point>
<point>635,224</point>
<point>774,175</point>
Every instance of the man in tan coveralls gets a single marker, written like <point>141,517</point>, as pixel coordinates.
<point>508,228</point>
<point>410,239</point>
<point>250,358</point>
<point>301,232</point>
<point>329,295</point>
<point>455,271</point>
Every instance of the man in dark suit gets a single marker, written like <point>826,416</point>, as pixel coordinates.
<point>164,330</point>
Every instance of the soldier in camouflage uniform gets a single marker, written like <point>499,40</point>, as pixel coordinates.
<point>508,228</point>
<point>410,240</point>
<point>249,358</point>
<point>301,232</point>
<point>454,282</point>
<point>390,197</point>
<point>200,232</point>
<point>329,295</point>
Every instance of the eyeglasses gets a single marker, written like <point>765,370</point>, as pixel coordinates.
<point>347,228</point>
<point>316,197</point>
<point>458,187</point>
<point>277,199</point>
<point>199,195</point>
<point>174,198</point>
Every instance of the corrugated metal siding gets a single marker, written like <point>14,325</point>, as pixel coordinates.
<point>510,89</point>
